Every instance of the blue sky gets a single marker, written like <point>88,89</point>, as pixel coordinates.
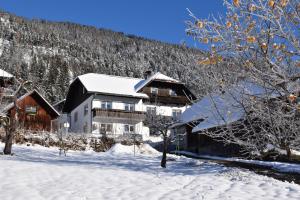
<point>155,19</point>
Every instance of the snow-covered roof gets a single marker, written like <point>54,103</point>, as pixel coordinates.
<point>220,109</point>
<point>5,74</point>
<point>108,84</point>
<point>157,76</point>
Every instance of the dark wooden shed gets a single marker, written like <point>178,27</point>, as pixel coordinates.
<point>35,112</point>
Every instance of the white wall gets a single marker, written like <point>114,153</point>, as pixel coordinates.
<point>58,123</point>
<point>118,102</point>
<point>165,110</point>
<point>118,128</point>
<point>77,127</point>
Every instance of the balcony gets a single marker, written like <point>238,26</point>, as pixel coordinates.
<point>119,114</point>
<point>178,100</point>
<point>163,96</point>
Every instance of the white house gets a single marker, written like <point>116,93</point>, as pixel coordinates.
<point>6,88</point>
<point>114,105</point>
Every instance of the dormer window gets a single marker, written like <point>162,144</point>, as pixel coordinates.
<point>154,90</point>
<point>172,93</point>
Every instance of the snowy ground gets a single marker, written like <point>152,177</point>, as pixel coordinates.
<point>279,166</point>
<point>39,173</point>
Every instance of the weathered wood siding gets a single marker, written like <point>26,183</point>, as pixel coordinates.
<point>114,113</point>
<point>205,145</point>
<point>164,97</point>
<point>38,122</point>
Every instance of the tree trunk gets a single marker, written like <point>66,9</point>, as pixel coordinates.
<point>288,153</point>
<point>163,162</point>
<point>8,141</point>
<point>10,132</point>
<point>11,127</point>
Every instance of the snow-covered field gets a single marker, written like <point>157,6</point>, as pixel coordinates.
<point>39,173</point>
<point>279,166</point>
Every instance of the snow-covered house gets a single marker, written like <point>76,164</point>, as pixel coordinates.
<point>114,105</point>
<point>6,90</point>
<point>215,111</point>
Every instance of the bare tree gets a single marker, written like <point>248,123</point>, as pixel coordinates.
<point>160,124</point>
<point>10,123</point>
<point>259,42</point>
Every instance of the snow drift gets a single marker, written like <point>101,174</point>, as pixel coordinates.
<point>139,149</point>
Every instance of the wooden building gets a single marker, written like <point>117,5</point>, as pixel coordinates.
<point>223,112</point>
<point>164,91</point>
<point>34,112</point>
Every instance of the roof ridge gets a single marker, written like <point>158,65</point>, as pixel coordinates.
<point>155,77</point>
<point>126,77</point>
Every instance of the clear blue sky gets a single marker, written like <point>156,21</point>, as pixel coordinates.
<point>155,19</point>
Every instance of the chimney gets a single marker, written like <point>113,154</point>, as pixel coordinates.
<point>147,74</point>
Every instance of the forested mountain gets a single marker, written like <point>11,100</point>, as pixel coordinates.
<point>51,54</point>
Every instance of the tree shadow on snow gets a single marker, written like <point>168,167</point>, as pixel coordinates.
<point>138,163</point>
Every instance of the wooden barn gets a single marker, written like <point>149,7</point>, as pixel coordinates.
<point>35,112</point>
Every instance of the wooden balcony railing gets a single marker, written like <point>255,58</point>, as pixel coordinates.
<point>121,114</point>
<point>180,100</point>
<point>164,97</point>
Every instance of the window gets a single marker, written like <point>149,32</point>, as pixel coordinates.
<point>105,128</point>
<point>106,105</point>
<point>176,114</point>
<point>31,110</point>
<point>151,110</point>
<point>129,106</point>
<point>172,93</point>
<point>128,128</point>
<point>154,90</point>
<point>86,109</point>
<point>85,127</point>
<point>76,117</point>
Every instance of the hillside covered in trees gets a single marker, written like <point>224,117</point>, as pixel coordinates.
<point>51,54</point>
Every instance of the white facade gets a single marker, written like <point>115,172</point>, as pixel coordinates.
<point>118,126</point>
<point>118,103</point>
<point>116,107</point>
<point>164,110</point>
<point>81,119</point>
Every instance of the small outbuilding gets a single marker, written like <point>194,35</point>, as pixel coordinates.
<point>34,112</point>
<point>214,113</point>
